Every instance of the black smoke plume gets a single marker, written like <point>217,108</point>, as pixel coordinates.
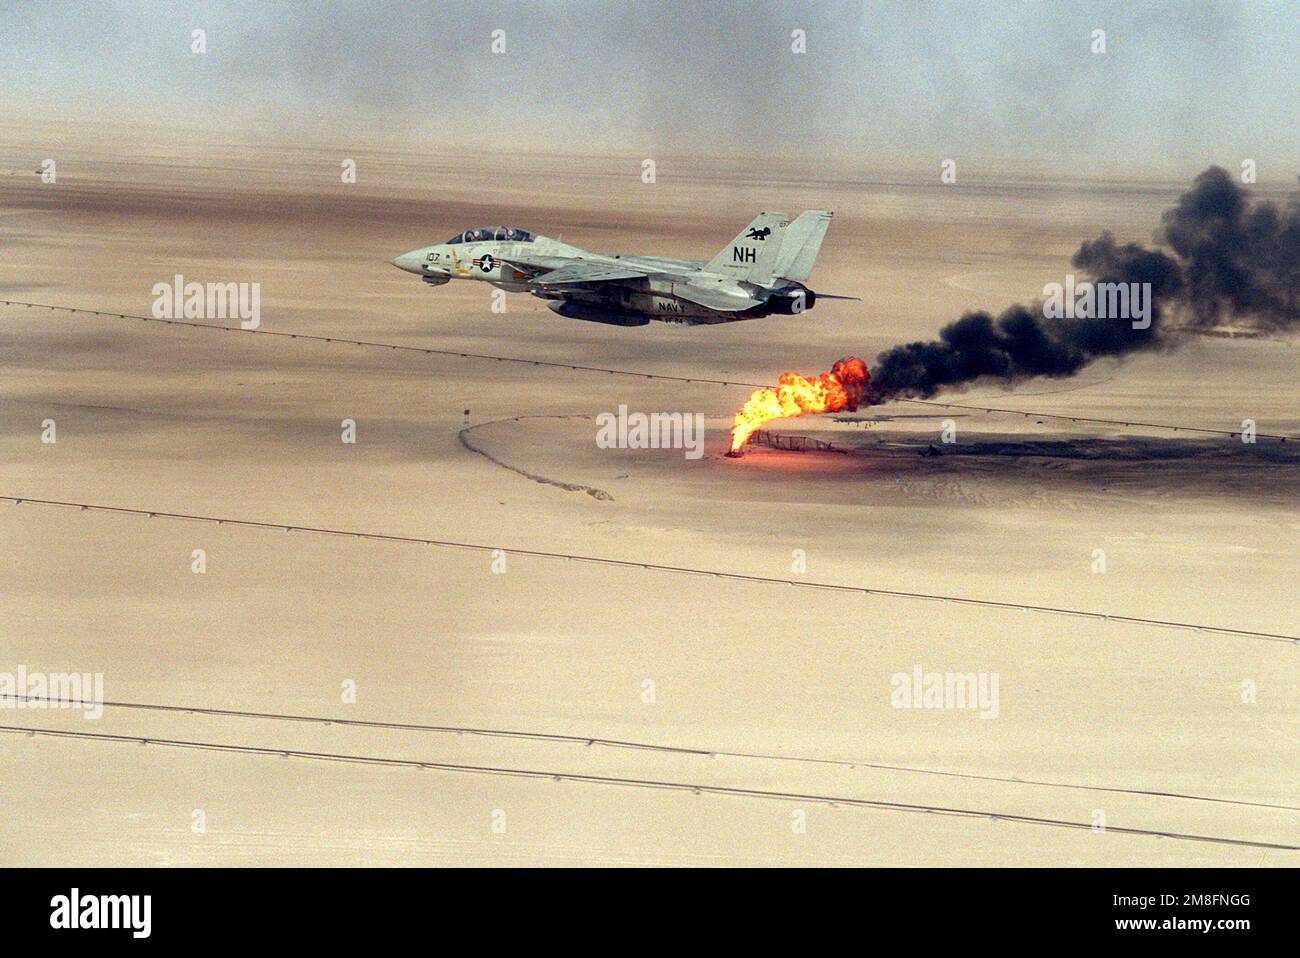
<point>1229,261</point>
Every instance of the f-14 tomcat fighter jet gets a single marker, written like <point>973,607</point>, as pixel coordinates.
<point>760,272</point>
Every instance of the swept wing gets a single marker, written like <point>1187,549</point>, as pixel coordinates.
<point>583,272</point>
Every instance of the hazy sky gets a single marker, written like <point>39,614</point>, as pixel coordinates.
<point>1180,83</point>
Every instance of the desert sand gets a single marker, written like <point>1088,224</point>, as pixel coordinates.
<point>776,689</point>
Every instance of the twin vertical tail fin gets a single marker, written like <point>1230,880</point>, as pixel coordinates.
<point>773,247</point>
<point>803,241</point>
<point>752,255</point>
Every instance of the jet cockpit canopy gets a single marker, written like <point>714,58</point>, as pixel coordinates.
<point>501,234</point>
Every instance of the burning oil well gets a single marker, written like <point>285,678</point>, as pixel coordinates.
<point>1229,260</point>
<point>841,388</point>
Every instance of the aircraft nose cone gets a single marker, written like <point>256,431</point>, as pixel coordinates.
<point>408,261</point>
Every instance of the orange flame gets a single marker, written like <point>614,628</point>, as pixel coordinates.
<point>841,388</point>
